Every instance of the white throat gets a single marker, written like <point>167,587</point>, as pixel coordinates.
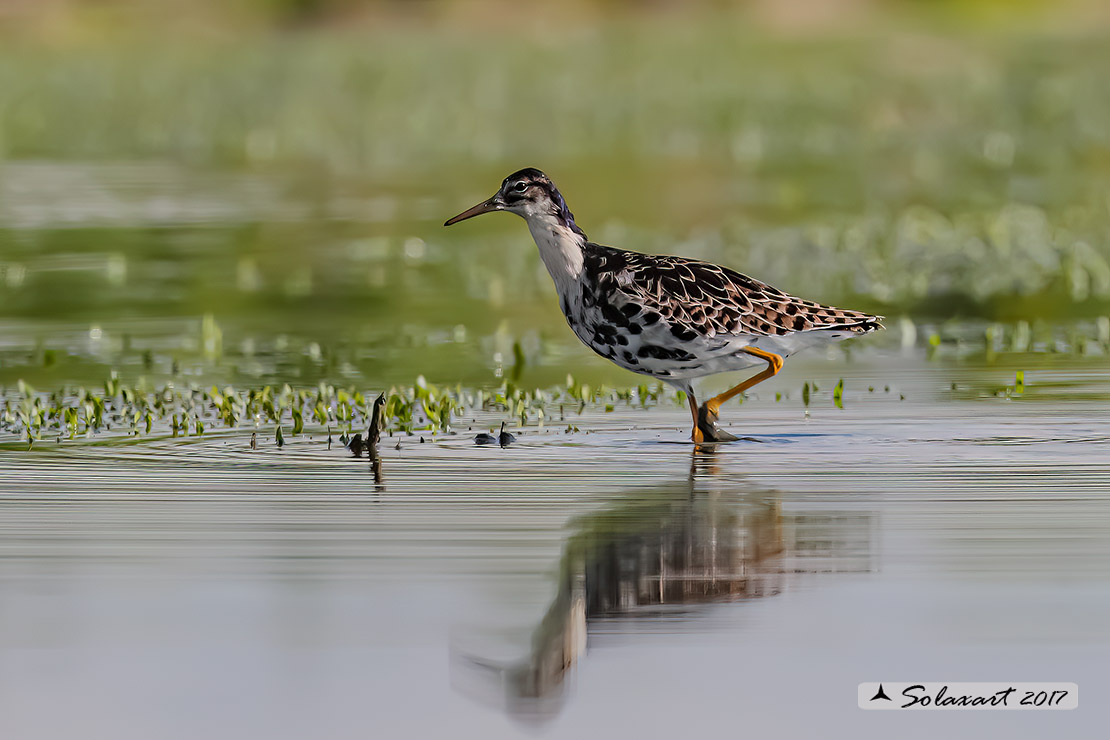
<point>560,250</point>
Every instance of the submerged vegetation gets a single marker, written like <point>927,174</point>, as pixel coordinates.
<point>118,410</point>
<point>121,410</point>
<point>133,410</point>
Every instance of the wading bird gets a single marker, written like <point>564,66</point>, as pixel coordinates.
<point>673,318</point>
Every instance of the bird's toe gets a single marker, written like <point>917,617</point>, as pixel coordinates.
<point>707,428</point>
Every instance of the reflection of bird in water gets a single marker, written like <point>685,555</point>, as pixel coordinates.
<point>666,548</point>
<point>673,318</point>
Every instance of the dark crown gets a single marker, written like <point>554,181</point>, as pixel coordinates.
<point>529,174</point>
<point>532,176</point>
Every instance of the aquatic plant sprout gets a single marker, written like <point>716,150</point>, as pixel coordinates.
<point>142,409</point>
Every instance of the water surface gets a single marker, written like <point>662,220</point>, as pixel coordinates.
<point>611,579</point>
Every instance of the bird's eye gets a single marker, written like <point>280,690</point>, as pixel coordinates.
<point>521,186</point>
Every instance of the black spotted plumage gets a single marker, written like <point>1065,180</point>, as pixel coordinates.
<point>671,318</point>
<point>701,299</point>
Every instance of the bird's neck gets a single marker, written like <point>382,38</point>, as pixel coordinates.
<point>561,244</point>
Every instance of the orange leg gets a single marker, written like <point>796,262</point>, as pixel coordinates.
<point>706,422</point>
<point>696,435</point>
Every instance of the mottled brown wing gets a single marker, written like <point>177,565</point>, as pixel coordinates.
<point>701,298</point>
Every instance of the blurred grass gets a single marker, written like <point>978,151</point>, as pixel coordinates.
<point>293,185</point>
<point>945,120</point>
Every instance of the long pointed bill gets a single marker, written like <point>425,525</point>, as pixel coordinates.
<point>486,206</point>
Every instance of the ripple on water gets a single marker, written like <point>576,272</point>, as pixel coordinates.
<point>903,538</point>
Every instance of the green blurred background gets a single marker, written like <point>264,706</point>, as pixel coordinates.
<point>253,190</point>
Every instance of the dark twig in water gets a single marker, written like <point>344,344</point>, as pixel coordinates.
<point>373,435</point>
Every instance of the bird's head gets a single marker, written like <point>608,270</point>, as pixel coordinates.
<point>529,194</point>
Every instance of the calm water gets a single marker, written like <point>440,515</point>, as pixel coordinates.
<point>570,585</point>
